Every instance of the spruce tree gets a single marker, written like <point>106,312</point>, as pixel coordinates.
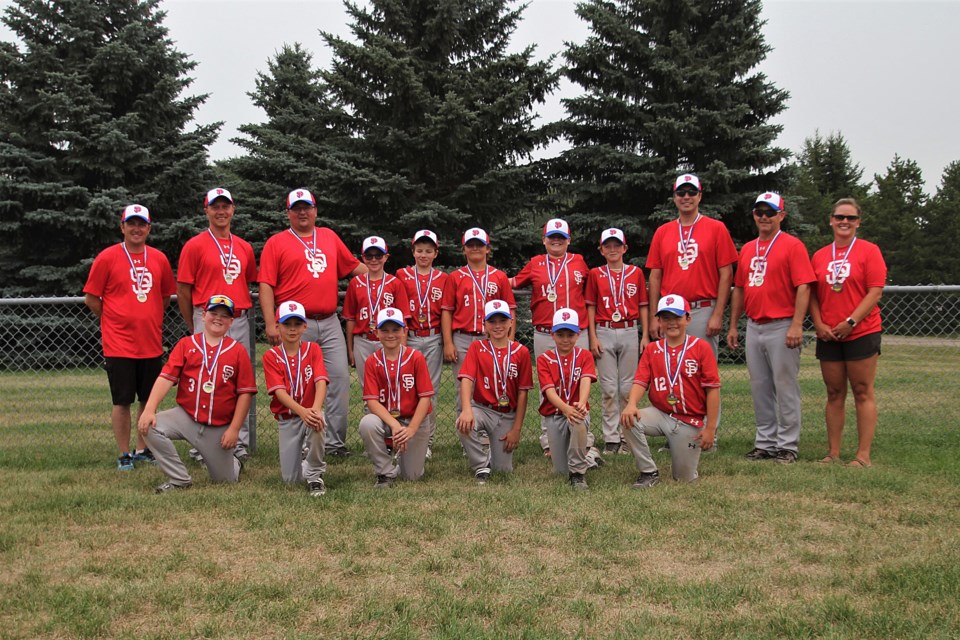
<point>940,247</point>
<point>91,118</point>
<point>668,86</point>
<point>895,219</point>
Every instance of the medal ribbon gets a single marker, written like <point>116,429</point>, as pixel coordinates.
<point>203,352</point>
<point>375,308</point>
<point>476,283</point>
<point>685,241</point>
<point>553,276</point>
<point>672,377</point>
<point>312,251</point>
<point>500,369</point>
<point>393,390</point>
<point>567,384</point>
<point>137,275</point>
<point>617,296</point>
<point>763,260</point>
<point>838,269</point>
<point>226,259</point>
<point>296,391</point>
<point>423,298</point>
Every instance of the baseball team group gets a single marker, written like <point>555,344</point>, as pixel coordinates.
<point>611,325</point>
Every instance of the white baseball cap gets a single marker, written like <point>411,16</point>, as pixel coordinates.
<point>390,314</point>
<point>687,178</point>
<point>495,307</point>
<point>374,242</point>
<point>300,195</point>
<point>556,227</point>
<point>771,199</point>
<point>217,192</point>
<point>136,211</point>
<point>291,309</point>
<point>476,233</point>
<point>613,234</point>
<point>673,304</point>
<point>566,319</point>
<point>426,234</point>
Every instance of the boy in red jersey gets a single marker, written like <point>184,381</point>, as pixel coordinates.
<point>367,294</point>
<point>565,373</point>
<point>297,380</point>
<point>467,291</point>
<point>681,374</point>
<point>424,285</point>
<point>616,304</point>
<point>397,391</point>
<point>495,379</point>
<point>215,386</point>
<point>129,287</point>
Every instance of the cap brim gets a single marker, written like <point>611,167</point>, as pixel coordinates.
<point>138,216</point>
<point>288,316</point>
<point>499,313</point>
<point>299,200</point>
<point>216,306</point>
<point>675,312</point>
<point>557,233</point>
<point>399,323</point>
<point>565,325</point>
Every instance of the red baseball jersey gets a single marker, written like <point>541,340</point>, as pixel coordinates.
<point>570,273</point>
<point>854,271</point>
<point>489,382</point>
<point>383,293</point>
<point>563,375</point>
<point>698,371</point>
<point>704,247</point>
<point>281,370</point>
<point>770,276</point>
<point>298,270</point>
<point>425,292</point>
<point>130,328</point>
<point>395,389</point>
<point>215,266</point>
<point>227,369</point>
<point>624,291</point>
<point>464,296</point>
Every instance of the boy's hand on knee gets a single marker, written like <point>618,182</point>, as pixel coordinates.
<point>229,438</point>
<point>511,440</point>
<point>465,422</point>
<point>146,421</point>
<point>629,417</point>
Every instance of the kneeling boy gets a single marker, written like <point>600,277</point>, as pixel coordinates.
<point>681,373</point>
<point>215,387</point>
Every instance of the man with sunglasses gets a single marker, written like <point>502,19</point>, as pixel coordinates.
<point>305,263</point>
<point>773,287</point>
<point>692,257</point>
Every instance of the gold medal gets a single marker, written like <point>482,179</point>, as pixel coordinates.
<point>422,318</point>
<point>672,400</point>
<point>552,295</point>
<point>373,326</point>
<point>208,386</point>
<point>141,297</point>
<point>395,413</point>
<point>837,288</point>
<point>503,401</point>
<point>616,317</point>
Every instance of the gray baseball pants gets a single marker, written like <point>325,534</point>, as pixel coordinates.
<point>616,368</point>
<point>494,425</point>
<point>684,452</point>
<point>294,468</point>
<point>543,342</point>
<point>568,443</point>
<point>329,335</point>
<point>410,462</point>
<point>774,368</point>
<point>432,349</point>
<point>176,424</point>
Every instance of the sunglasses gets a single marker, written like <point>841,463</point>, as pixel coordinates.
<point>765,212</point>
<point>689,191</point>
<point>842,218</point>
<point>374,255</point>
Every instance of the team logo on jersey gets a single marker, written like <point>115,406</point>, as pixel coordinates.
<point>227,372</point>
<point>145,278</point>
<point>436,293</point>
<point>690,367</point>
<point>512,371</point>
<point>579,277</point>
<point>833,277</point>
<point>407,380</point>
<point>316,262</point>
<point>758,271</point>
<point>388,299</point>
<point>492,289</point>
<point>687,254</point>
<point>233,269</point>
<point>308,373</point>
<point>631,290</point>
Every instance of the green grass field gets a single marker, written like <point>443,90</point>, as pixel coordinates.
<point>754,550</point>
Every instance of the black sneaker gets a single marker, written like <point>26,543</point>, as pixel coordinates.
<point>241,454</point>
<point>761,454</point>
<point>383,482</point>
<point>578,482</point>
<point>481,476</point>
<point>144,455</point>
<point>125,462</point>
<point>611,447</point>
<point>317,488</point>
<point>339,453</point>
<point>169,486</point>
<point>647,480</point>
<point>786,457</point>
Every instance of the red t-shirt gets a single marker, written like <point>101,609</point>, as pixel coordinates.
<point>203,265</point>
<point>554,372</point>
<point>357,306</point>
<point>131,329</point>
<point>231,374</point>
<point>279,371</point>
<point>698,371</point>
<point>862,270</point>
<point>381,383</point>
<point>286,265</point>
<point>478,367</point>
<point>431,294</point>
<point>630,298</point>
<point>464,297</point>
<point>570,282</point>
<point>770,284</point>
<point>706,247</point>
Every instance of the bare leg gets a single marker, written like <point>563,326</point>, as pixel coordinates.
<point>835,379</point>
<point>120,421</point>
<point>862,374</point>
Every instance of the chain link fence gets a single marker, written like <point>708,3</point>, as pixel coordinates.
<point>51,368</point>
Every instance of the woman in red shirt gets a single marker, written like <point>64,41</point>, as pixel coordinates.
<point>850,277</point>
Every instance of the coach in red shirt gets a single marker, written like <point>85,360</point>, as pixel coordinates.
<point>128,288</point>
<point>306,263</point>
<point>773,287</point>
